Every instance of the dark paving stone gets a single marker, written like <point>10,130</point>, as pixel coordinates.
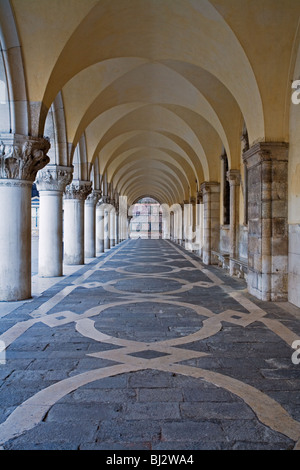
<point>149,409</point>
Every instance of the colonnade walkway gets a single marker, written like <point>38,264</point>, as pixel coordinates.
<point>145,348</point>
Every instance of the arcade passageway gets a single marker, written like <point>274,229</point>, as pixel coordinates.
<point>146,348</point>
<point>151,149</point>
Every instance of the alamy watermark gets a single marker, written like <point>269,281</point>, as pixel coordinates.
<point>296,93</point>
<point>2,353</point>
<point>296,354</point>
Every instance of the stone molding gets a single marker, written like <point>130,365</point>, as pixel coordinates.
<point>54,178</point>
<point>21,157</point>
<point>78,190</point>
<point>15,183</point>
<point>266,151</point>
<point>210,187</point>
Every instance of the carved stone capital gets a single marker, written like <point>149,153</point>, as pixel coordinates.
<point>21,157</point>
<point>78,190</point>
<point>106,199</point>
<point>266,151</point>
<point>199,197</point>
<point>54,178</point>
<point>210,187</point>
<point>94,197</point>
<point>234,177</point>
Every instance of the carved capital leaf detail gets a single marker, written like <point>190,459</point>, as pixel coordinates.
<point>54,178</point>
<point>78,190</point>
<point>21,157</point>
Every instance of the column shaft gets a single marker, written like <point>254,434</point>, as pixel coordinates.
<point>15,240</point>
<point>51,183</point>
<point>100,228</point>
<point>233,176</point>
<point>75,196</point>
<point>112,227</point>
<point>21,157</point>
<point>211,223</point>
<point>90,224</point>
<point>106,228</point>
<point>50,234</point>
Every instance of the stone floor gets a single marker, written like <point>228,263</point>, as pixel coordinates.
<point>145,348</point>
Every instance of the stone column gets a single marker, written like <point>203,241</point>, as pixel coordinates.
<point>234,178</point>
<point>90,224</point>
<point>112,224</point>
<point>21,157</point>
<point>193,223</point>
<point>181,225</point>
<point>182,241</point>
<point>75,195</point>
<point>117,223</point>
<point>107,208</point>
<point>100,227</point>
<point>172,237</point>
<point>199,229</point>
<point>211,222</point>
<point>51,183</point>
<point>267,169</point>
<point>128,225</point>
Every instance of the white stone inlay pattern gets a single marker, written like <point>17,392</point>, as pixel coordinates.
<point>32,411</point>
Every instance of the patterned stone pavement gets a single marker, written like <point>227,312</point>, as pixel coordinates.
<point>145,348</point>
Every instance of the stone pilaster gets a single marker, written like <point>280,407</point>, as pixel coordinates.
<point>74,201</point>
<point>20,159</point>
<point>51,183</point>
<point>267,169</point>
<point>211,222</point>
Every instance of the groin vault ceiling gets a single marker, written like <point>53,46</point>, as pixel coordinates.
<point>157,88</point>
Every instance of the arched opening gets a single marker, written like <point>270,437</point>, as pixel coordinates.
<point>146,222</point>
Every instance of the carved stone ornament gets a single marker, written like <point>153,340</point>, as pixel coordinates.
<point>78,190</point>
<point>94,196</point>
<point>54,178</point>
<point>106,199</point>
<point>199,197</point>
<point>234,177</point>
<point>21,157</point>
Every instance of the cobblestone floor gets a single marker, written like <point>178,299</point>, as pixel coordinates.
<point>145,348</point>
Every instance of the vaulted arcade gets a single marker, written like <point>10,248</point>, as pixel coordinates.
<point>186,101</point>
